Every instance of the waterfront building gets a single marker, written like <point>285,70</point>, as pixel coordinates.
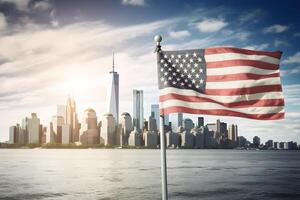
<point>62,110</point>
<point>242,141</point>
<point>89,132</point>
<point>200,121</point>
<point>72,119</point>
<point>13,135</point>
<point>269,144</point>
<point>66,134</point>
<point>199,137</point>
<point>56,129</point>
<point>126,127</point>
<point>155,111</point>
<point>138,109</point>
<point>187,139</point>
<point>177,121</point>
<point>108,129</point>
<point>188,124</point>
<point>232,133</point>
<point>256,141</point>
<point>209,140</point>
<point>33,129</point>
<point>135,138</point>
<point>113,93</point>
<point>152,125</point>
<point>173,139</point>
<point>151,139</point>
<point>276,145</point>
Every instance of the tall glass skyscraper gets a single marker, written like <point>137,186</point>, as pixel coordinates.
<point>138,109</point>
<point>113,93</point>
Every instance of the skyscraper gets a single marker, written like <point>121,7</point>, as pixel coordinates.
<point>89,133</point>
<point>113,93</point>
<point>138,109</point>
<point>33,129</point>
<point>56,128</point>
<point>108,129</point>
<point>71,118</point>
<point>176,119</point>
<point>126,127</point>
<point>155,111</point>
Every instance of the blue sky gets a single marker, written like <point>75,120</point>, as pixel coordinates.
<point>50,49</point>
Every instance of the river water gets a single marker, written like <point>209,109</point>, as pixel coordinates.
<point>135,174</point>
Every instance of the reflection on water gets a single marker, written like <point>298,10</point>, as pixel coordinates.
<point>135,174</point>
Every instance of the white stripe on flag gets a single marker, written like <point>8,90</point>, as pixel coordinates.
<point>237,70</point>
<point>224,98</point>
<point>239,56</point>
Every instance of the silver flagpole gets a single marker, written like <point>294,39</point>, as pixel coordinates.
<point>164,183</point>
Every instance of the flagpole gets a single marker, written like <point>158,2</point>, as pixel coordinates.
<point>164,183</point>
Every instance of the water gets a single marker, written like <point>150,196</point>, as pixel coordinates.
<point>135,174</point>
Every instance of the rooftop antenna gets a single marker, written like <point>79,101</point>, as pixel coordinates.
<point>113,65</point>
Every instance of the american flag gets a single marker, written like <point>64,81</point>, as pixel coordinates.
<point>221,81</point>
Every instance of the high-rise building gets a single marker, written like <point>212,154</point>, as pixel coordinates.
<point>188,124</point>
<point>108,129</point>
<point>89,132</point>
<point>62,111</point>
<point>256,141</point>
<point>155,111</point>
<point>187,139</point>
<point>126,127</point>
<point>72,119</point>
<point>66,134</point>
<point>151,139</point>
<point>113,93</point>
<point>177,120</point>
<point>135,138</point>
<point>13,135</point>
<point>138,109</point>
<point>56,129</point>
<point>232,133</point>
<point>200,121</point>
<point>152,125</point>
<point>199,137</point>
<point>33,129</point>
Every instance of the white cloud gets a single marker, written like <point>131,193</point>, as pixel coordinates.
<point>242,36</point>
<point>211,25</point>
<point>278,43</point>
<point>134,2</point>
<point>21,5</point>
<point>292,59</point>
<point>251,16</point>
<point>257,47</point>
<point>42,5</point>
<point>2,22</point>
<point>277,28</point>
<point>294,70</point>
<point>179,34</point>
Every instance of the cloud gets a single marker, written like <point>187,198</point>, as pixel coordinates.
<point>21,5</point>
<point>211,25</point>
<point>257,47</point>
<point>294,70</point>
<point>179,34</point>
<point>2,22</point>
<point>292,59</point>
<point>242,36</point>
<point>134,2</point>
<point>277,28</point>
<point>42,5</point>
<point>278,43</point>
<point>251,16</point>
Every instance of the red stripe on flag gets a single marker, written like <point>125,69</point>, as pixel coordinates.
<point>175,109</point>
<point>240,76</point>
<point>218,50</point>
<point>241,104</point>
<point>233,63</point>
<point>243,91</point>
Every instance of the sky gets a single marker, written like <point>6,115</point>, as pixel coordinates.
<point>50,49</point>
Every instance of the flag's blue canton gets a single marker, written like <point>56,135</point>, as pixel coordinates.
<point>182,69</point>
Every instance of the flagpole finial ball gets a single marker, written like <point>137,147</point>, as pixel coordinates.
<point>158,38</point>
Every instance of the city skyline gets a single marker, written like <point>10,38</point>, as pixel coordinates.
<point>39,74</point>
